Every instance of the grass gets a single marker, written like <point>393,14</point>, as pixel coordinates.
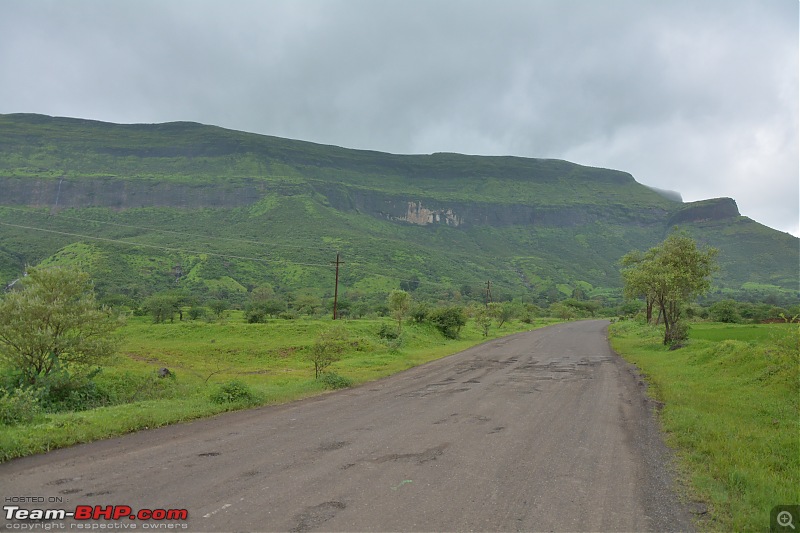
<point>268,359</point>
<point>731,411</point>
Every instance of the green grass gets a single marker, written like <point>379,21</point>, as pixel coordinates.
<point>731,411</point>
<point>267,358</point>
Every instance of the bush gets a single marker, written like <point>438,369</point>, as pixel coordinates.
<point>233,391</point>
<point>387,332</point>
<point>334,381</point>
<point>725,311</point>
<point>419,313</point>
<point>327,349</point>
<point>256,316</point>
<point>678,334</point>
<point>448,320</point>
<point>197,312</point>
<point>61,391</point>
<point>18,406</point>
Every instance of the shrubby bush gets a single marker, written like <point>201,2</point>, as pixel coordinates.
<point>725,311</point>
<point>448,320</point>
<point>234,391</point>
<point>331,380</point>
<point>18,406</point>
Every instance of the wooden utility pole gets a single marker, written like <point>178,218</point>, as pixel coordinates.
<point>336,289</point>
<point>488,292</point>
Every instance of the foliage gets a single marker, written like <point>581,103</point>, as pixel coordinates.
<point>731,402</point>
<point>502,312</point>
<point>448,320</point>
<point>386,332</point>
<point>334,381</point>
<point>399,303</point>
<point>218,306</point>
<point>483,319</point>
<point>725,311</point>
<point>419,312</point>
<point>327,349</point>
<point>55,323</point>
<point>161,307</point>
<point>668,276</point>
<point>233,391</point>
<point>18,406</point>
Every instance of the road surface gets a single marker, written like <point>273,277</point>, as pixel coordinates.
<point>542,431</point>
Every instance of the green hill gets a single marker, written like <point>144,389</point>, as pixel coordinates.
<point>148,207</point>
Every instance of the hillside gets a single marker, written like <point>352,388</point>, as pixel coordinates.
<point>216,210</point>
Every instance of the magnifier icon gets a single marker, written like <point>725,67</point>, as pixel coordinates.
<point>785,519</point>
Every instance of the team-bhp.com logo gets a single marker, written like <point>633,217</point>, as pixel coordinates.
<point>95,513</point>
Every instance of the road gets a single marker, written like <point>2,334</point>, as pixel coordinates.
<point>547,430</point>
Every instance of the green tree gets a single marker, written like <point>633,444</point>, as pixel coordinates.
<point>218,306</point>
<point>668,276</point>
<point>502,312</point>
<point>483,320</point>
<point>162,306</point>
<point>53,323</point>
<point>399,303</point>
<point>327,349</point>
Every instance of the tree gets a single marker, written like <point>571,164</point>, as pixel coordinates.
<point>502,312</point>
<point>218,307</point>
<point>483,320</point>
<point>399,303</point>
<point>55,323</point>
<point>162,306</point>
<point>327,349</point>
<point>668,276</point>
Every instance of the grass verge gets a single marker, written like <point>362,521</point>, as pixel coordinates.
<point>730,411</point>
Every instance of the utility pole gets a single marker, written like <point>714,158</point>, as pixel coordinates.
<point>488,292</point>
<point>336,289</point>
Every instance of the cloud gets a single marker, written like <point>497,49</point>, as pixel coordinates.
<point>698,97</point>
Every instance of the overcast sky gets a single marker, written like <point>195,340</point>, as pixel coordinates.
<point>696,96</point>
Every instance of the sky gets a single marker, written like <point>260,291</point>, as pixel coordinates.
<point>694,96</point>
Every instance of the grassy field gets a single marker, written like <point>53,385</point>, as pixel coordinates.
<point>268,359</point>
<point>731,410</point>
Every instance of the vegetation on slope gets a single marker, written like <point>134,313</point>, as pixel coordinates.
<point>731,409</point>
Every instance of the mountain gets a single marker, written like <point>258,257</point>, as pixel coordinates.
<point>146,207</point>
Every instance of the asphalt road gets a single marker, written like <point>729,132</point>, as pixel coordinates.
<point>541,431</point>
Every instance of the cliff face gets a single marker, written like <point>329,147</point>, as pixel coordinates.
<point>705,211</point>
<point>118,193</point>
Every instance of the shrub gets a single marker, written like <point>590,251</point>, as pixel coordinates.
<point>725,311</point>
<point>233,391</point>
<point>196,312</point>
<point>18,406</point>
<point>327,349</point>
<point>387,332</point>
<point>334,381</point>
<point>678,333</point>
<point>62,391</point>
<point>419,313</point>
<point>448,320</point>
